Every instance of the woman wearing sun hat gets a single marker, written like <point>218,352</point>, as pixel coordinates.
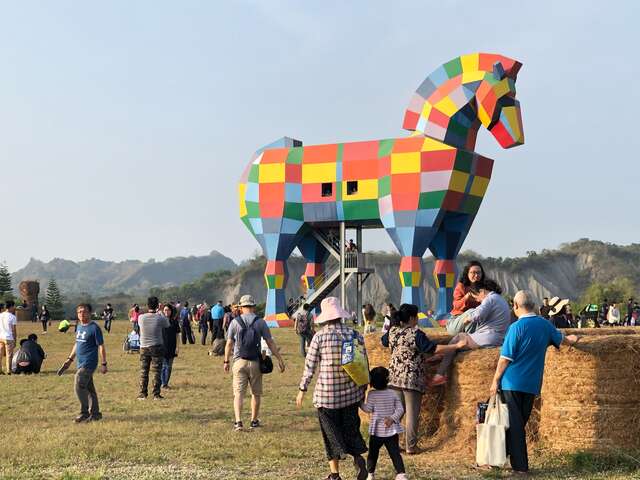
<point>557,314</point>
<point>336,396</point>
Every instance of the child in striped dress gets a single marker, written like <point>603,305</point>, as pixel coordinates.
<point>384,426</point>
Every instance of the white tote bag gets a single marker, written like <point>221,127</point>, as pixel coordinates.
<point>491,448</point>
<point>497,412</point>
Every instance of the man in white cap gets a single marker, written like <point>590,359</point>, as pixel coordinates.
<point>243,341</point>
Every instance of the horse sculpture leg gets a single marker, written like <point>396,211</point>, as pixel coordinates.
<point>412,241</point>
<point>277,248</point>
<point>316,255</point>
<point>275,275</point>
<point>411,276</point>
<point>445,247</point>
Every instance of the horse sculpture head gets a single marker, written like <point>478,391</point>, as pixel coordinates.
<point>469,91</point>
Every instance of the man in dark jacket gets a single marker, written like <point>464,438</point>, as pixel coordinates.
<point>170,340</point>
<point>29,357</point>
<point>204,323</point>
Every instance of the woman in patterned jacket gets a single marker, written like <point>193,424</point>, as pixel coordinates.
<point>407,370</point>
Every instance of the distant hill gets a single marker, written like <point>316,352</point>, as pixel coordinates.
<point>566,272</point>
<point>134,277</point>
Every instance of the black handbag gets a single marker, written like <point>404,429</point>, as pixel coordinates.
<point>266,364</point>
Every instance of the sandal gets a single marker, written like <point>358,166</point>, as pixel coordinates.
<point>438,380</point>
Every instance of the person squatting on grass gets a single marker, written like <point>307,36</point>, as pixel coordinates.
<point>336,395</point>
<point>89,342</point>
<point>152,350</point>
<point>520,370</point>
<point>29,357</point>
<point>243,340</point>
<point>384,425</point>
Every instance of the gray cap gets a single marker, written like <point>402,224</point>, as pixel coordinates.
<point>247,301</point>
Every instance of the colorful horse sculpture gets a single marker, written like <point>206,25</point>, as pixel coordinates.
<point>425,189</point>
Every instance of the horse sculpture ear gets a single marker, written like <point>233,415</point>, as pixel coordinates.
<point>498,71</point>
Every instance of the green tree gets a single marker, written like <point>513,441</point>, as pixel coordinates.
<point>6,290</point>
<point>619,290</point>
<point>54,300</point>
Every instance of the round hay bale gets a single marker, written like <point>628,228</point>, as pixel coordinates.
<point>590,394</point>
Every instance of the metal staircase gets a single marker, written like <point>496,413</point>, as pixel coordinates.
<point>350,264</point>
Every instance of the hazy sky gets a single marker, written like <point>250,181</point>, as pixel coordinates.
<point>125,125</point>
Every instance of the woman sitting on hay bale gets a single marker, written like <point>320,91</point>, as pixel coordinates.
<point>491,321</point>
<point>466,298</point>
<point>407,368</point>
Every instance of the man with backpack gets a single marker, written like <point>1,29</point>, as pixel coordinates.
<point>185,325</point>
<point>243,342</point>
<point>29,357</point>
<point>304,327</point>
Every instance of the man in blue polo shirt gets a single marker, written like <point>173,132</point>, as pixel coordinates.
<point>89,342</point>
<point>217,314</point>
<point>520,370</point>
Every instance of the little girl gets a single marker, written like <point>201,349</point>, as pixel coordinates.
<point>384,425</point>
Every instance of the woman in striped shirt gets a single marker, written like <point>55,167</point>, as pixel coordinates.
<point>384,425</point>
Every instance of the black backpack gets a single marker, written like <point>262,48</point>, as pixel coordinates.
<point>248,340</point>
<point>304,322</point>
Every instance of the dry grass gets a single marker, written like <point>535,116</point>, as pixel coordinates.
<point>189,435</point>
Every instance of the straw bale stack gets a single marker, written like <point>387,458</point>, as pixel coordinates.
<point>589,397</point>
<point>590,394</point>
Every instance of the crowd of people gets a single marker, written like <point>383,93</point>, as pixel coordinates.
<point>480,318</point>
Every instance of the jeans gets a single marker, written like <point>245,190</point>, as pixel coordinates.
<point>165,375</point>
<point>151,357</point>
<point>520,405</point>
<point>449,356</point>
<point>107,325</point>
<point>393,448</point>
<point>86,392</point>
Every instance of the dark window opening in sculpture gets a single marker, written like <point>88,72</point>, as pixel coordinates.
<point>352,187</point>
<point>327,189</point>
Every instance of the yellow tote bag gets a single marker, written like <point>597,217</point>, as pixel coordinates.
<point>354,361</point>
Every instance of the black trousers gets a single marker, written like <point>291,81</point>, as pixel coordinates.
<point>187,334</point>
<point>393,448</point>
<point>520,405</point>
<point>204,330</point>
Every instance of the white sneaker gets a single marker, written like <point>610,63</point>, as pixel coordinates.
<point>371,476</point>
<point>402,476</point>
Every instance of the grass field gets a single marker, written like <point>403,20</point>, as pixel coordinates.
<point>189,435</point>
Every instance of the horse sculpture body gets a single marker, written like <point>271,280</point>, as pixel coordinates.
<point>425,189</point>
